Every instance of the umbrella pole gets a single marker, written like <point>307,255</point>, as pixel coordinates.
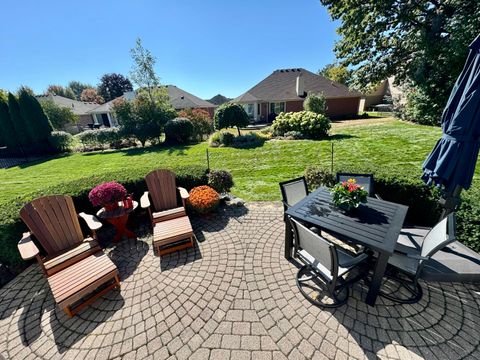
<point>451,201</point>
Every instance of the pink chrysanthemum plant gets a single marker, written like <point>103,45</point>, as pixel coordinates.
<point>107,193</point>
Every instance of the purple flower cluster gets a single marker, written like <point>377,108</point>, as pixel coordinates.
<point>107,193</point>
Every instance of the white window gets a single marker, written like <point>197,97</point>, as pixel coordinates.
<point>277,108</point>
<point>249,109</point>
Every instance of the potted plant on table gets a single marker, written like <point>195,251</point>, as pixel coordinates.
<point>348,195</point>
<point>107,195</point>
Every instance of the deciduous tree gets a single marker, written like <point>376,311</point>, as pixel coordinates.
<point>60,91</point>
<point>113,85</point>
<point>422,43</point>
<point>77,87</point>
<point>91,95</point>
<point>336,72</point>
<point>59,116</point>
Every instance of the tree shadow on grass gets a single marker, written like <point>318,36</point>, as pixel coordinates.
<point>36,160</point>
<point>341,137</point>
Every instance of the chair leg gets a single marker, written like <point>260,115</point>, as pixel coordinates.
<point>412,287</point>
<point>68,311</point>
<point>333,293</point>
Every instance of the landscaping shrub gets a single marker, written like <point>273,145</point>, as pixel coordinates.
<point>225,138</point>
<point>293,135</point>
<point>11,226</point>
<point>315,103</point>
<point>104,138</point>
<point>248,140</point>
<point>317,176</point>
<point>201,121</point>
<point>178,130</point>
<point>61,141</point>
<point>88,139</point>
<point>468,219</point>
<point>310,124</point>
<point>203,199</point>
<point>220,180</point>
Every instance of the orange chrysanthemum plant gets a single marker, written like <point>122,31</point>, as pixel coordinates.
<point>203,199</point>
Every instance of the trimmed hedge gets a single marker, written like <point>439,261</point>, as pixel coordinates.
<point>422,200</point>
<point>11,226</point>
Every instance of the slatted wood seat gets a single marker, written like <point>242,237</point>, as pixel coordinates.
<point>81,279</point>
<point>54,224</point>
<point>168,235</point>
<point>164,210</point>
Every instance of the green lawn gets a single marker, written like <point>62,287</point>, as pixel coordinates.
<point>372,143</point>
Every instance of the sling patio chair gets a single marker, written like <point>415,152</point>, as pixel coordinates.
<point>293,191</point>
<point>365,180</point>
<point>407,262</point>
<point>172,230</point>
<point>326,268</point>
<point>75,266</point>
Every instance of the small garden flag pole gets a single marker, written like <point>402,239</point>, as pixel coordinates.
<point>451,164</point>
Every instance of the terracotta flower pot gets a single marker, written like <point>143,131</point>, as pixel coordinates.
<point>111,206</point>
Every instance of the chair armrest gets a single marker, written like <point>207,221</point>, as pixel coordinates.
<point>145,201</point>
<point>27,248</point>
<point>183,193</point>
<point>91,220</point>
<point>354,261</point>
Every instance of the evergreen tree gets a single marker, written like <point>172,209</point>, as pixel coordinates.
<point>8,135</point>
<point>38,125</point>
<point>18,122</point>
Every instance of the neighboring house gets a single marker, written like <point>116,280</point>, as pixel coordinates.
<point>219,99</point>
<point>103,114</point>
<point>386,92</point>
<point>286,89</point>
<point>181,100</point>
<point>80,108</point>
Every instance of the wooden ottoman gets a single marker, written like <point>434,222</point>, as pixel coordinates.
<point>83,278</point>
<point>168,235</point>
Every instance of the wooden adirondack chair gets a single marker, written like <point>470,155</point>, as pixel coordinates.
<point>162,190</point>
<point>169,220</point>
<point>73,264</point>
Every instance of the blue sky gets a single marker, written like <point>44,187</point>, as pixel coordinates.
<point>205,47</point>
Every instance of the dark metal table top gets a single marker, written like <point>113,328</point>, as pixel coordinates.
<point>375,224</point>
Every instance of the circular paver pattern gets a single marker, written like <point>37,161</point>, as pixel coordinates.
<point>232,296</point>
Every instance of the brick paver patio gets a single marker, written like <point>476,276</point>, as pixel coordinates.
<point>232,297</point>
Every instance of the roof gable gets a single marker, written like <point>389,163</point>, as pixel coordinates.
<point>78,107</point>
<point>281,86</point>
<point>180,99</point>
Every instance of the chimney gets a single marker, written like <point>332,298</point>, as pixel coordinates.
<point>300,86</point>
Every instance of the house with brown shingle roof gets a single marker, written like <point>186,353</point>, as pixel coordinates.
<point>285,90</point>
<point>181,100</point>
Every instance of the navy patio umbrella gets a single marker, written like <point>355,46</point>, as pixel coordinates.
<point>451,164</point>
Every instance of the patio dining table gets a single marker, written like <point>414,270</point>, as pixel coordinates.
<point>375,225</point>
